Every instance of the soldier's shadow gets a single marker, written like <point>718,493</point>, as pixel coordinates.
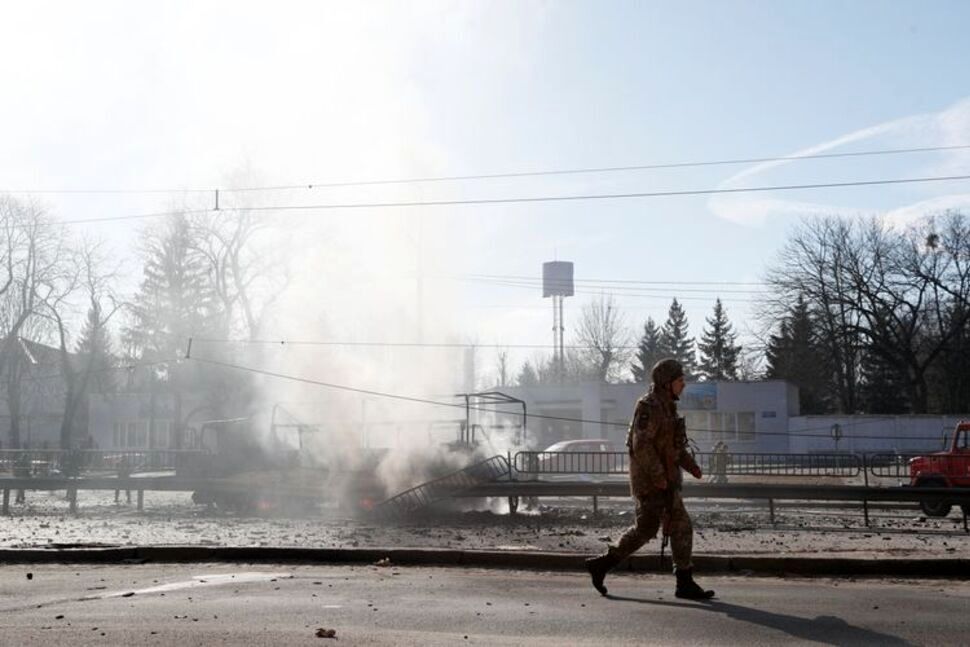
<point>829,630</point>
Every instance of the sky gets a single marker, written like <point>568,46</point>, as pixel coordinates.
<point>186,97</point>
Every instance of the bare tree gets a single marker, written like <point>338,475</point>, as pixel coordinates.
<point>898,299</point>
<point>30,247</point>
<point>606,340</point>
<point>84,271</point>
<point>246,278</point>
<point>937,255</point>
<point>811,266</point>
<point>502,367</point>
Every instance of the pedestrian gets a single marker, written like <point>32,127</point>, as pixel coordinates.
<point>657,442</point>
<point>717,463</point>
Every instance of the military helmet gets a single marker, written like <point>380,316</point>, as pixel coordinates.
<point>666,371</point>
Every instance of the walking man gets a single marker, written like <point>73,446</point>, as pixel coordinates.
<point>657,442</point>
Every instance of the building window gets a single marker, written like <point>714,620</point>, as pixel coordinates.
<point>746,425</point>
<point>698,424</point>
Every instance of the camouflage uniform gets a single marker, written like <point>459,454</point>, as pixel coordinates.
<point>658,450</point>
<point>657,441</point>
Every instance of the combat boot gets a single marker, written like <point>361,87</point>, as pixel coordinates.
<point>687,588</point>
<point>598,567</point>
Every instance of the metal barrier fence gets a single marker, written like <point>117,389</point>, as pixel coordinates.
<point>732,464</point>
<point>890,465</point>
<point>757,464</point>
<point>571,462</point>
<point>71,462</point>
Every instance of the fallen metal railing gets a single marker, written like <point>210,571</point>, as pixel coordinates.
<point>448,486</point>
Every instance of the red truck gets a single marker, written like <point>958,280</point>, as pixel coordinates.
<point>950,468</point>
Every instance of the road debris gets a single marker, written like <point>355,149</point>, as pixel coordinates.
<point>326,633</point>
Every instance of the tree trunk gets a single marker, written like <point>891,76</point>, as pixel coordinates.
<point>13,401</point>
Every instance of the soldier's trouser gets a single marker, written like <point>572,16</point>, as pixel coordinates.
<point>649,512</point>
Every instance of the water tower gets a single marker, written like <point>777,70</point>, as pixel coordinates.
<point>557,282</point>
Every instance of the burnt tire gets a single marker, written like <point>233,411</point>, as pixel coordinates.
<point>934,507</point>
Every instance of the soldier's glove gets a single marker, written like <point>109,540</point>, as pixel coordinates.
<point>696,472</point>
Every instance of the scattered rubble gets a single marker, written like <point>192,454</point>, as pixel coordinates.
<point>735,528</point>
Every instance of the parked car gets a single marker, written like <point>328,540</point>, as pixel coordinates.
<point>588,459</point>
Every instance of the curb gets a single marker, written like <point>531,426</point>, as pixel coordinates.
<point>956,568</point>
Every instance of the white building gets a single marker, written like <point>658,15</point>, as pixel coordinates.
<point>749,416</point>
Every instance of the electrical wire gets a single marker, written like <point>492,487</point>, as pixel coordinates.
<point>665,296</point>
<point>524,200</point>
<point>616,289</point>
<point>520,174</point>
<point>455,405</point>
<point>379,344</point>
<point>122,367</point>
<point>600,281</point>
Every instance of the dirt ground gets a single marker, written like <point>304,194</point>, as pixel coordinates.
<point>740,528</point>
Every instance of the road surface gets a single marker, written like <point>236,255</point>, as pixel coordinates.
<point>233,604</point>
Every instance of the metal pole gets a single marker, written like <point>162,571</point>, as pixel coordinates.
<point>562,348</point>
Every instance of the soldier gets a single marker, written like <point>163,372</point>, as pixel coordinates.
<point>719,461</point>
<point>657,442</point>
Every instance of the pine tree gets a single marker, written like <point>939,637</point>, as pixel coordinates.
<point>94,349</point>
<point>527,376</point>
<point>674,341</point>
<point>719,352</point>
<point>175,300</point>
<point>882,389</point>
<point>175,303</point>
<point>795,354</point>
<point>649,352</point>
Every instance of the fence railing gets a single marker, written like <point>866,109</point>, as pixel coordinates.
<point>890,464</point>
<point>571,462</point>
<point>739,464</point>
<point>71,462</point>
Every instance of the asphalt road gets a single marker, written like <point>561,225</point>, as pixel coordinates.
<point>233,604</point>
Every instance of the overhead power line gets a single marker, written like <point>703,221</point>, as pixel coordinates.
<point>608,281</point>
<point>380,344</point>
<point>613,169</point>
<point>463,406</point>
<point>538,283</point>
<point>517,174</point>
<point>529,199</point>
<point>641,295</point>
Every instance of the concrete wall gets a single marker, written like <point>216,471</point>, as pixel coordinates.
<point>867,434</point>
<point>712,409</point>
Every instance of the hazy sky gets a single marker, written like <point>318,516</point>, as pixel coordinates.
<point>190,95</point>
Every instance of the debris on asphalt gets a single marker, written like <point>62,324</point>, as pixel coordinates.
<point>383,562</point>
<point>326,633</point>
